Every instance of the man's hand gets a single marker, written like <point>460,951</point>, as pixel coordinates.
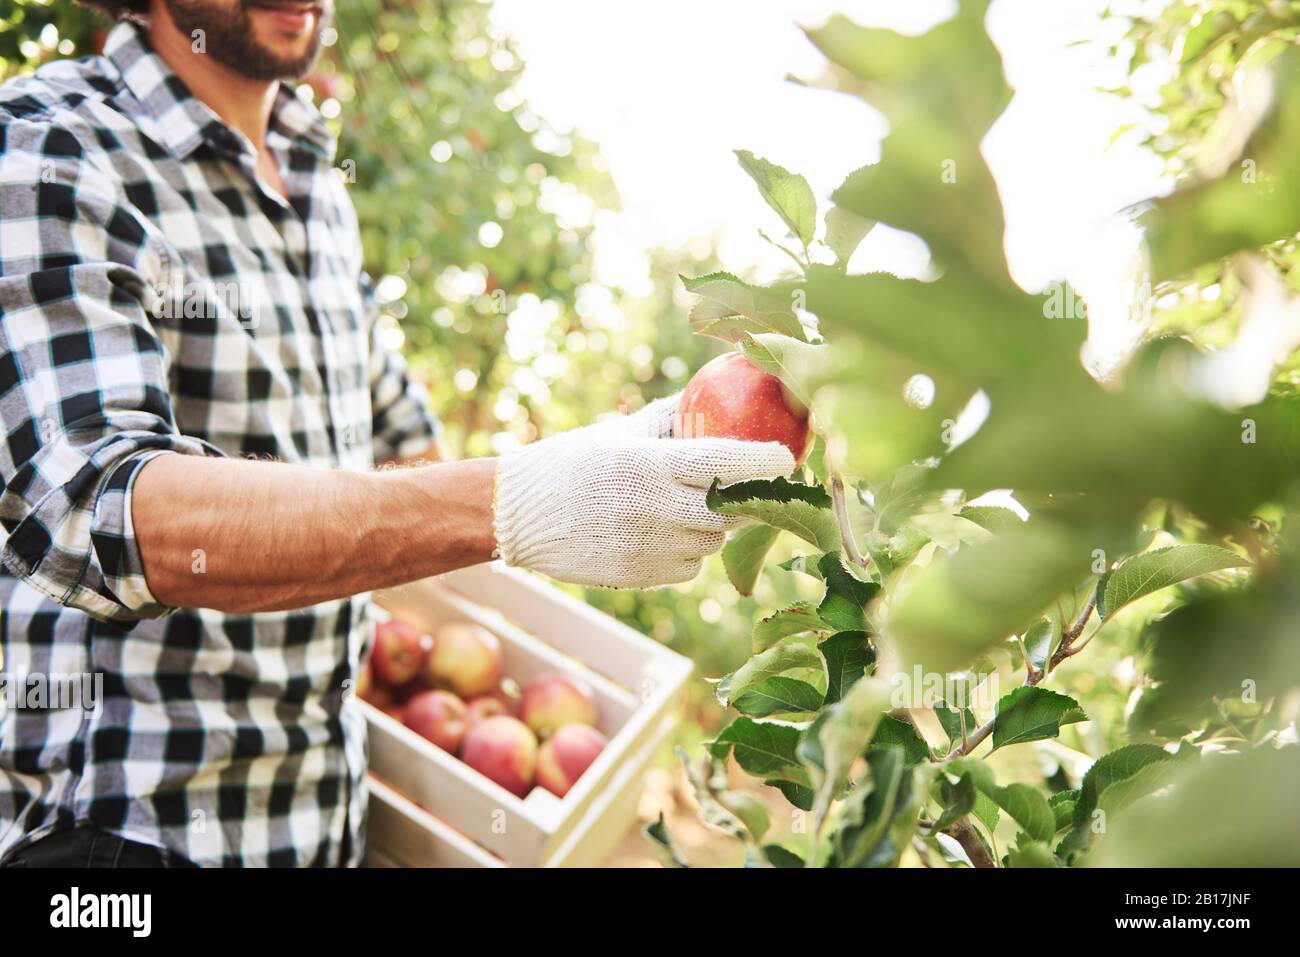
<point>620,503</point>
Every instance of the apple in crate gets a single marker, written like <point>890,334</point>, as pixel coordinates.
<point>565,755</point>
<point>504,750</point>
<point>465,658</point>
<point>438,716</point>
<point>399,651</point>
<point>486,706</point>
<point>553,699</point>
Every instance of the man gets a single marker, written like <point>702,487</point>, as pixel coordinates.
<point>221,600</point>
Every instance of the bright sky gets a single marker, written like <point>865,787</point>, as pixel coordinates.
<point>670,87</point>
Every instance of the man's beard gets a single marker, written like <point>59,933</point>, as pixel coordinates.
<point>228,38</point>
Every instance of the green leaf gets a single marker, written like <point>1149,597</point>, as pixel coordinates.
<point>1038,642</point>
<point>844,605</point>
<point>796,619</point>
<point>743,555</point>
<point>993,518</point>
<point>958,800</point>
<point>1225,810</point>
<point>779,856</point>
<point>891,732</point>
<point>848,654</point>
<point>952,721</point>
<point>797,364</point>
<point>794,507</point>
<point>803,564</point>
<point>787,193</point>
<point>763,749</point>
<point>799,795</point>
<point>786,656</point>
<point>778,694</point>
<point>1032,714</point>
<point>657,832</point>
<point>1031,854</point>
<point>1025,804</point>
<point>838,737</point>
<point>1062,804</point>
<point>879,816</point>
<point>733,310</point>
<point>1149,572</point>
<point>845,231</point>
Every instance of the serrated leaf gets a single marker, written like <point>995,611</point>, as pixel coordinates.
<point>787,193</point>
<point>1112,770</point>
<point>786,656</point>
<point>838,736</point>
<point>747,809</point>
<point>1025,804</point>
<point>891,732</point>
<point>1038,641</point>
<point>1062,804</point>
<point>794,620</point>
<point>1149,572</point>
<point>993,518</point>
<point>744,553</point>
<point>844,605</point>
<point>845,231</point>
<point>791,506</point>
<point>952,720</point>
<point>778,694</point>
<point>958,799</point>
<point>804,565</point>
<point>733,310</point>
<point>762,749</point>
<point>1032,714</point>
<point>879,816</point>
<point>848,654</point>
<point>796,363</point>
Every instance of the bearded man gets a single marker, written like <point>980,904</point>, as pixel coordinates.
<point>193,400</point>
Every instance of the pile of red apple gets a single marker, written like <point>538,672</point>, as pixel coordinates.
<point>448,688</point>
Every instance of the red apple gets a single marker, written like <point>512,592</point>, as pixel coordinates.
<point>732,398</point>
<point>438,716</point>
<point>486,706</point>
<point>465,658</point>
<point>565,755</point>
<point>504,750</point>
<point>399,651</point>
<point>553,699</point>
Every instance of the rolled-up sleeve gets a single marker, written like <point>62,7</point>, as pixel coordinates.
<point>403,423</point>
<point>83,376</point>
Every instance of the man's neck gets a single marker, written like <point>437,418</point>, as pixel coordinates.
<point>242,103</point>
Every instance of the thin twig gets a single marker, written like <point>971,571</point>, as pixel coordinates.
<point>846,527</point>
<point>1066,649</point>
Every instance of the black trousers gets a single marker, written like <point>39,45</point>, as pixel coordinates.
<point>88,846</point>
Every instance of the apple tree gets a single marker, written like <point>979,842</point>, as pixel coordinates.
<point>907,710</point>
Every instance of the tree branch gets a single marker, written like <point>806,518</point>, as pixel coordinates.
<point>846,528</point>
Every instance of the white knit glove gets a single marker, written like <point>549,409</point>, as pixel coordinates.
<point>621,503</point>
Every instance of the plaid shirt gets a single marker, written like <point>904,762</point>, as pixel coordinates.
<point>156,298</point>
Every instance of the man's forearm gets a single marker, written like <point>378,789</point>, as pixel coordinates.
<point>243,536</point>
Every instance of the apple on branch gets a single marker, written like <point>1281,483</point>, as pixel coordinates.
<point>731,398</point>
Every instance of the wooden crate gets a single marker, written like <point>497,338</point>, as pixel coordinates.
<point>638,685</point>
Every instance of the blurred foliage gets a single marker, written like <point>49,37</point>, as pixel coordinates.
<point>1140,522</point>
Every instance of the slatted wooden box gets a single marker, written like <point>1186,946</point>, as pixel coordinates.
<point>429,809</point>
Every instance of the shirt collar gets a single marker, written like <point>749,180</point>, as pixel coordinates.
<point>183,121</point>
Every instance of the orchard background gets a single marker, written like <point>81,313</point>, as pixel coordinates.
<point>1097,663</point>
